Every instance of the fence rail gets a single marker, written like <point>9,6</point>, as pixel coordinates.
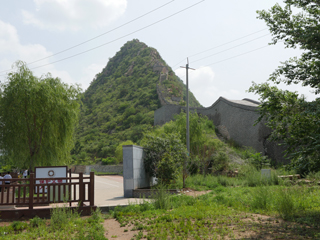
<point>43,191</point>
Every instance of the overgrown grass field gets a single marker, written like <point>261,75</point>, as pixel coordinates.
<point>245,207</point>
<point>236,208</point>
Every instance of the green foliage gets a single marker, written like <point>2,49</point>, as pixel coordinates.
<point>294,121</point>
<point>120,102</point>
<point>38,116</point>
<point>161,198</point>
<point>197,129</point>
<point>19,226</point>
<point>62,216</point>
<point>167,168</point>
<point>36,222</point>
<point>286,206</point>
<point>164,156</point>
<point>220,161</point>
<point>109,161</point>
<point>202,145</point>
<point>255,159</point>
<point>64,224</point>
<point>119,152</point>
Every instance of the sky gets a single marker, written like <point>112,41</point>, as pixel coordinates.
<point>74,39</point>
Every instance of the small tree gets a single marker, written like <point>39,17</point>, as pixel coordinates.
<point>164,156</point>
<point>38,116</point>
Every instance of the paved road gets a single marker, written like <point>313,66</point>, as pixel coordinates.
<point>108,191</point>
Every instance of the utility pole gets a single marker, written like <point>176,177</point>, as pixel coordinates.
<point>188,135</point>
<point>187,96</point>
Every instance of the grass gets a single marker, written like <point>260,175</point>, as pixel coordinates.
<point>248,206</point>
<point>235,208</point>
<point>248,177</point>
<point>64,224</point>
<point>229,213</point>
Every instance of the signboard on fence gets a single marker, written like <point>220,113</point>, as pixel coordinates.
<point>49,172</point>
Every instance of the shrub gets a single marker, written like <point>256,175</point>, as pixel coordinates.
<point>162,198</point>
<point>36,222</point>
<point>118,152</point>
<point>108,161</point>
<point>165,153</point>
<point>61,216</point>
<point>220,161</point>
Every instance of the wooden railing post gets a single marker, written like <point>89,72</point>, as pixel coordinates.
<point>91,189</point>
<point>81,189</point>
<point>31,187</point>
<point>69,187</point>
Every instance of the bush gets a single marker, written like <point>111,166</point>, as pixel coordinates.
<point>118,152</point>
<point>220,161</point>
<point>61,216</point>
<point>108,161</point>
<point>167,170</point>
<point>163,156</point>
<point>36,222</point>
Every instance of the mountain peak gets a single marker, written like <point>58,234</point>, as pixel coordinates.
<point>120,102</point>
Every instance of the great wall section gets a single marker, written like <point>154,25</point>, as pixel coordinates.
<point>234,119</point>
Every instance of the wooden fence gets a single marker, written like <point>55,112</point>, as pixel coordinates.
<point>30,192</point>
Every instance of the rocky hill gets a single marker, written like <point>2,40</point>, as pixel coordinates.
<point>120,102</point>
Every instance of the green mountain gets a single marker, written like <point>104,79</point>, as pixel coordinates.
<point>120,102</point>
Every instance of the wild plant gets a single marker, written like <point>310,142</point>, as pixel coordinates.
<point>36,222</point>
<point>261,198</point>
<point>61,216</point>
<point>161,198</point>
<point>285,204</point>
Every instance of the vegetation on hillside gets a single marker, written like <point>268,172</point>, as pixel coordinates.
<point>165,145</point>
<point>119,105</point>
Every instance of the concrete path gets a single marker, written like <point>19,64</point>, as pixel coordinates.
<point>108,191</point>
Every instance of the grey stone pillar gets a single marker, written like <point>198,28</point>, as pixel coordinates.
<point>134,174</point>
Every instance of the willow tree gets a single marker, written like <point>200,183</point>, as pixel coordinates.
<point>37,117</point>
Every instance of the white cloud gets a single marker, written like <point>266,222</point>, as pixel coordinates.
<point>74,14</point>
<point>12,50</point>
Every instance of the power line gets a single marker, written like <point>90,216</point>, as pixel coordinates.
<point>121,37</point>
<point>231,48</point>
<point>221,45</point>
<point>230,58</point>
<point>236,56</point>
<point>91,39</point>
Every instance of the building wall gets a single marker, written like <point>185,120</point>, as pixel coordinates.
<point>234,120</point>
